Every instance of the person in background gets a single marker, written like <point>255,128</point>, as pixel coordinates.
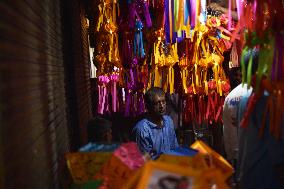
<point>261,158</point>
<point>121,127</point>
<point>230,110</point>
<point>155,133</point>
<point>99,135</point>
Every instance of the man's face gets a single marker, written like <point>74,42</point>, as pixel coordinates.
<point>159,105</point>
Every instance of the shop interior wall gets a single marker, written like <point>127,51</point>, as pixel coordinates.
<point>44,85</point>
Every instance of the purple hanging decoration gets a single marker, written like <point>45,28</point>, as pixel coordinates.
<point>174,34</point>
<point>133,74</point>
<point>127,50</point>
<point>132,15</point>
<point>167,22</point>
<point>103,94</point>
<point>147,15</point>
<point>131,104</point>
<point>230,15</point>
<point>277,70</point>
<point>192,13</point>
<point>280,59</point>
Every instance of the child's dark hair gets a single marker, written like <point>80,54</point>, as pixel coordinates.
<point>97,128</point>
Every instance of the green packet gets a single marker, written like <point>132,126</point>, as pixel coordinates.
<point>93,184</point>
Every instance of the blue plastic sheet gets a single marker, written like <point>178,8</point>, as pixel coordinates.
<point>182,151</point>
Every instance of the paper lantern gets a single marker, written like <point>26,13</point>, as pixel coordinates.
<point>217,160</point>
<point>83,166</point>
<point>124,162</point>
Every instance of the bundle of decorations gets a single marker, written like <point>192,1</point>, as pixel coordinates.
<point>127,168</point>
<point>264,31</point>
<point>205,109</point>
<point>161,175</point>
<point>170,44</point>
<point>111,168</point>
<point>84,166</point>
<point>206,169</point>
<point>124,162</point>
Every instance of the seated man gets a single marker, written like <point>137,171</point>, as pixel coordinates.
<point>155,133</point>
<point>99,136</point>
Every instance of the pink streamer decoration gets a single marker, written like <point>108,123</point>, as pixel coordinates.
<point>239,8</point>
<point>114,78</point>
<point>103,81</point>
<point>127,103</point>
<point>230,15</point>
<point>130,155</point>
<point>100,100</point>
<point>192,12</point>
<point>254,12</point>
<point>147,15</point>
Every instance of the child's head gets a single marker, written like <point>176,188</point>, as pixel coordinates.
<point>99,130</point>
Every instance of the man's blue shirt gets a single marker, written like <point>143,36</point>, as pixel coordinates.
<point>150,137</point>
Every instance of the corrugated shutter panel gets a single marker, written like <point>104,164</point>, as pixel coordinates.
<point>81,60</point>
<point>33,103</point>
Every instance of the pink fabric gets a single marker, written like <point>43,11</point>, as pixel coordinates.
<point>230,15</point>
<point>130,155</point>
<point>114,78</point>
<point>103,81</point>
<point>239,8</point>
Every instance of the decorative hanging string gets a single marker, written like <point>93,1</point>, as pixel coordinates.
<point>167,21</point>
<point>187,11</point>
<point>193,5</point>
<point>127,103</point>
<point>239,8</point>
<point>132,15</point>
<point>138,40</point>
<point>197,12</point>
<point>234,59</point>
<point>171,79</point>
<point>103,105</point>
<point>179,16</point>
<point>171,21</point>
<point>278,66</point>
<point>127,49</point>
<point>203,14</point>
<point>114,79</point>
<point>230,15</point>
<point>147,14</point>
